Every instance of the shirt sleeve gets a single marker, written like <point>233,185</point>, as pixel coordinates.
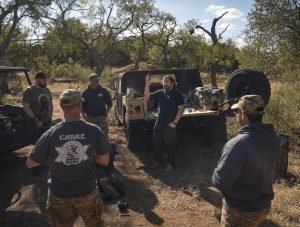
<point>27,96</point>
<point>39,153</point>
<point>229,168</point>
<point>179,99</point>
<point>103,147</point>
<point>155,95</point>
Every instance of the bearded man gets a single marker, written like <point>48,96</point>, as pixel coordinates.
<point>171,108</point>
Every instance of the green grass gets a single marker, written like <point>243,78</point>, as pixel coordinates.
<point>283,109</point>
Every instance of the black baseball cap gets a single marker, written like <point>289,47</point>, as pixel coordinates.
<point>41,75</point>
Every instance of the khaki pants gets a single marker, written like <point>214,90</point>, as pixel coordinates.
<point>101,122</point>
<point>233,217</point>
<point>61,213</point>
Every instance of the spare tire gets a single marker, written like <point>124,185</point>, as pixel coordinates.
<point>247,82</point>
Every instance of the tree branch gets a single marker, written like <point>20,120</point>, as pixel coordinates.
<point>220,35</point>
<point>206,31</point>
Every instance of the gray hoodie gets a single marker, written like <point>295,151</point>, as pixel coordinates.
<point>246,170</point>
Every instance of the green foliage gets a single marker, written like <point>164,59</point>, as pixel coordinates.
<point>41,63</point>
<point>155,56</point>
<point>106,74</point>
<point>70,70</point>
<point>274,36</point>
<point>257,55</point>
<point>223,55</point>
<point>283,108</point>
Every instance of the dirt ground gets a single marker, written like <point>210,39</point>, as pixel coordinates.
<point>184,197</point>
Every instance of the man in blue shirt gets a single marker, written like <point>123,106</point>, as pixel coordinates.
<point>171,108</point>
<point>96,104</point>
<point>246,170</point>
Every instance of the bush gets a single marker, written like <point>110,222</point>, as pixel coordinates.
<point>71,70</point>
<point>283,108</point>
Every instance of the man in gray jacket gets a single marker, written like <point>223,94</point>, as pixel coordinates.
<point>246,170</point>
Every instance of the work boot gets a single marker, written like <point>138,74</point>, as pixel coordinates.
<point>169,168</point>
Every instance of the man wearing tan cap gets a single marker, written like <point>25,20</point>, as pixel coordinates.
<point>96,104</point>
<point>70,149</point>
<point>246,170</point>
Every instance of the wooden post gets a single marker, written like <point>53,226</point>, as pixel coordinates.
<point>282,162</point>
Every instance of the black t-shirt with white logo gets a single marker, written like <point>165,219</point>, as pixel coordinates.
<point>96,101</point>
<point>69,150</point>
<point>168,102</point>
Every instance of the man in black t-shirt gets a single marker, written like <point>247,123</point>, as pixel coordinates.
<point>171,108</point>
<point>96,104</point>
<point>70,149</point>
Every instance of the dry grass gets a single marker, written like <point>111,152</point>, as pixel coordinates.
<point>185,197</point>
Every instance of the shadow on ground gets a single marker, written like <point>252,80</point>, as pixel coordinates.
<point>140,198</point>
<point>23,197</point>
<point>195,163</point>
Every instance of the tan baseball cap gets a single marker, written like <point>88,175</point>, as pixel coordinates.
<point>70,97</point>
<point>252,104</point>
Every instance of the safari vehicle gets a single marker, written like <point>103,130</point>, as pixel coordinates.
<point>205,110</point>
<point>15,132</point>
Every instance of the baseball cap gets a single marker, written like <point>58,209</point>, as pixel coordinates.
<point>252,104</point>
<point>41,75</point>
<point>94,76</point>
<point>70,97</point>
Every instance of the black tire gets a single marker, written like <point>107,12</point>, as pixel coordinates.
<point>246,82</point>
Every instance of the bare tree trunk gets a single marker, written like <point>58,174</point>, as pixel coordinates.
<point>213,73</point>
<point>215,41</point>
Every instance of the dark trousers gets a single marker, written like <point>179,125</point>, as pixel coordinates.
<point>37,133</point>
<point>164,138</point>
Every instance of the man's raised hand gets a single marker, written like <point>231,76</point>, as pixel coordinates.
<point>147,80</point>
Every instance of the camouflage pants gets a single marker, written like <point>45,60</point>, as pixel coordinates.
<point>101,122</point>
<point>62,211</point>
<point>233,217</point>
